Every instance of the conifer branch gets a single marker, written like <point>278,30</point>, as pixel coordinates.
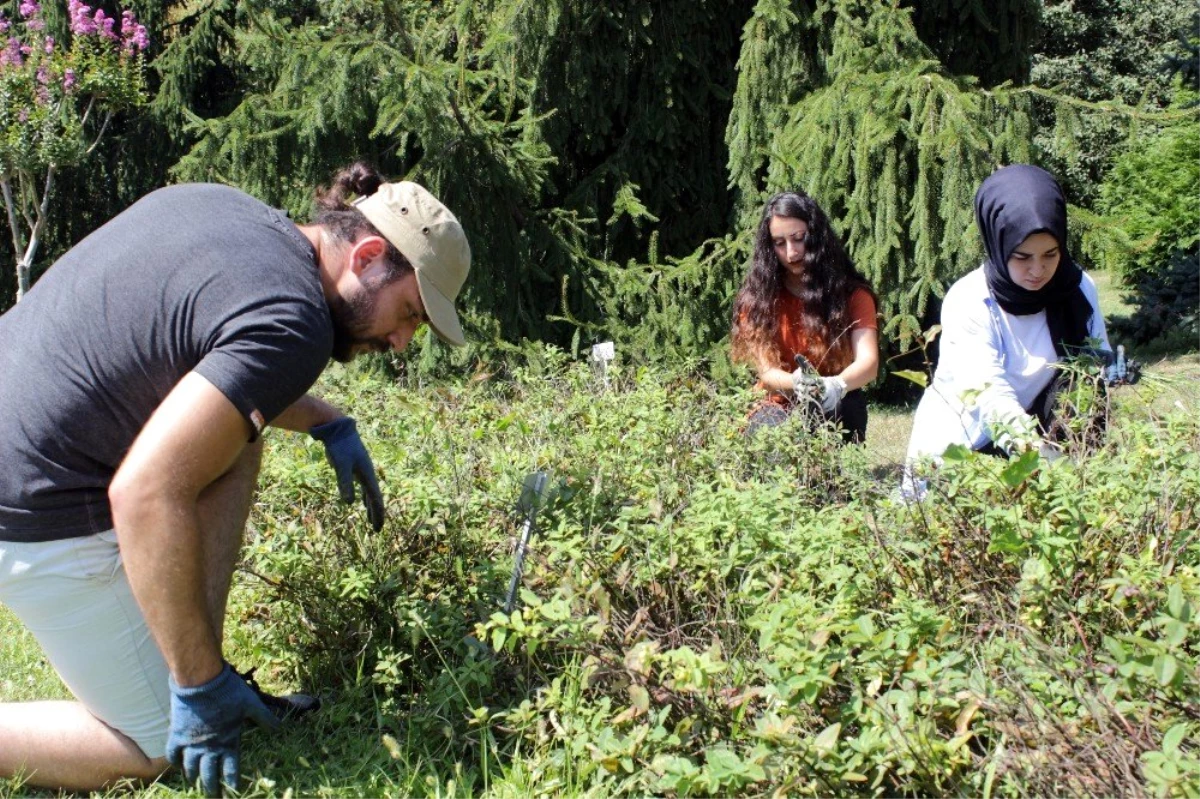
<point>1114,107</point>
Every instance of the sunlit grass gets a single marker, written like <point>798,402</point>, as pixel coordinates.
<point>24,673</point>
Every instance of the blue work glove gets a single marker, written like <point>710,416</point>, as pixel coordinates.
<point>206,728</point>
<point>350,461</point>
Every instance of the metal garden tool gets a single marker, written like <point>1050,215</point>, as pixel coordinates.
<point>810,381</point>
<point>531,500</point>
<point>533,497</point>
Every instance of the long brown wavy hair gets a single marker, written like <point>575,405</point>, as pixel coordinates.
<point>829,279</point>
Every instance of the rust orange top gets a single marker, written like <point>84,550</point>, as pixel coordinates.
<point>791,340</point>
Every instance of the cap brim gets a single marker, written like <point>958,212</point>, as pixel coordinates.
<point>440,310</point>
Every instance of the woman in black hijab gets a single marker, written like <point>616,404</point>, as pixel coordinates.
<point>1006,324</point>
<point>1014,204</point>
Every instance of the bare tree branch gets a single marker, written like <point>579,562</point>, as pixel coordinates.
<point>11,208</point>
<point>103,127</point>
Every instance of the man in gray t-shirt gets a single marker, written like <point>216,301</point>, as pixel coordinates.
<point>135,380</point>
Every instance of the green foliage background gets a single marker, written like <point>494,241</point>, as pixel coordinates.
<point>609,159</point>
<point>1100,52</point>
<point>1152,190</point>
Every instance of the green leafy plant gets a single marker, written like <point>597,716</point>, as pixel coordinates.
<point>705,613</point>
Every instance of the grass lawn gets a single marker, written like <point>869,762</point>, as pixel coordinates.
<point>24,673</point>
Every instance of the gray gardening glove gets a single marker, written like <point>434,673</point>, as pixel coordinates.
<point>833,388</point>
<point>1049,451</point>
<point>806,385</point>
<point>350,461</point>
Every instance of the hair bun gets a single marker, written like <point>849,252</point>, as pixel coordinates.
<point>360,179</point>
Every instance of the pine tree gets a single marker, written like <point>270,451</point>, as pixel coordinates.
<point>1111,55</point>
<point>557,131</point>
<point>844,100</point>
<point>894,147</point>
<point>777,67</point>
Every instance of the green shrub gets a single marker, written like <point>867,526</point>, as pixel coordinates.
<point>703,614</point>
<point>1166,302</point>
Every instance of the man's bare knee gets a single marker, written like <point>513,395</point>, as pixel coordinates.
<point>61,745</point>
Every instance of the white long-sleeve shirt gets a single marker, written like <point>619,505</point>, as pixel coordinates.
<point>991,368</point>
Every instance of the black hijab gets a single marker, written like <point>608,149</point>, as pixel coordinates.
<point>1013,203</point>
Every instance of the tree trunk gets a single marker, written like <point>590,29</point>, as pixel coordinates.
<point>22,277</point>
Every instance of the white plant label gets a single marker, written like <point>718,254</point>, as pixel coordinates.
<point>603,352</point>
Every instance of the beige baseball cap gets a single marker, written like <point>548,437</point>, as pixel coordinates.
<point>431,238</point>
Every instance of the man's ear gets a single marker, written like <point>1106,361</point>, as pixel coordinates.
<point>365,252</point>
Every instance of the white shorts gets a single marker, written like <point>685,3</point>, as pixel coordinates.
<point>74,598</point>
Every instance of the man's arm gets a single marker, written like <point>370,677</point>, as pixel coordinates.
<point>306,413</point>
<point>343,447</point>
<point>192,439</point>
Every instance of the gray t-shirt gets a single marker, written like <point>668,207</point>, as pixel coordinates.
<point>193,277</point>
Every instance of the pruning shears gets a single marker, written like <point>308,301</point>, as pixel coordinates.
<point>810,378</point>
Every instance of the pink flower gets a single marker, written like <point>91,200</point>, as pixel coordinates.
<point>23,115</point>
<point>48,45</point>
<point>68,82</point>
<point>82,23</point>
<point>105,23</point>
<point>133,35</point>
<point>31,12</point>
<point>43,75</point>
<point>12,54</point>
<point>4,23</point>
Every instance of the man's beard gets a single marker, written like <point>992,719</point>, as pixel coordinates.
<point>351,319</point>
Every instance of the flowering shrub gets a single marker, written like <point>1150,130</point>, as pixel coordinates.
<point>56,99</point>
<point>703,614</point>
<point>51,90</point>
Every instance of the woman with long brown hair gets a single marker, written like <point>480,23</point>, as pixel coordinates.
<point>804,297</point>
